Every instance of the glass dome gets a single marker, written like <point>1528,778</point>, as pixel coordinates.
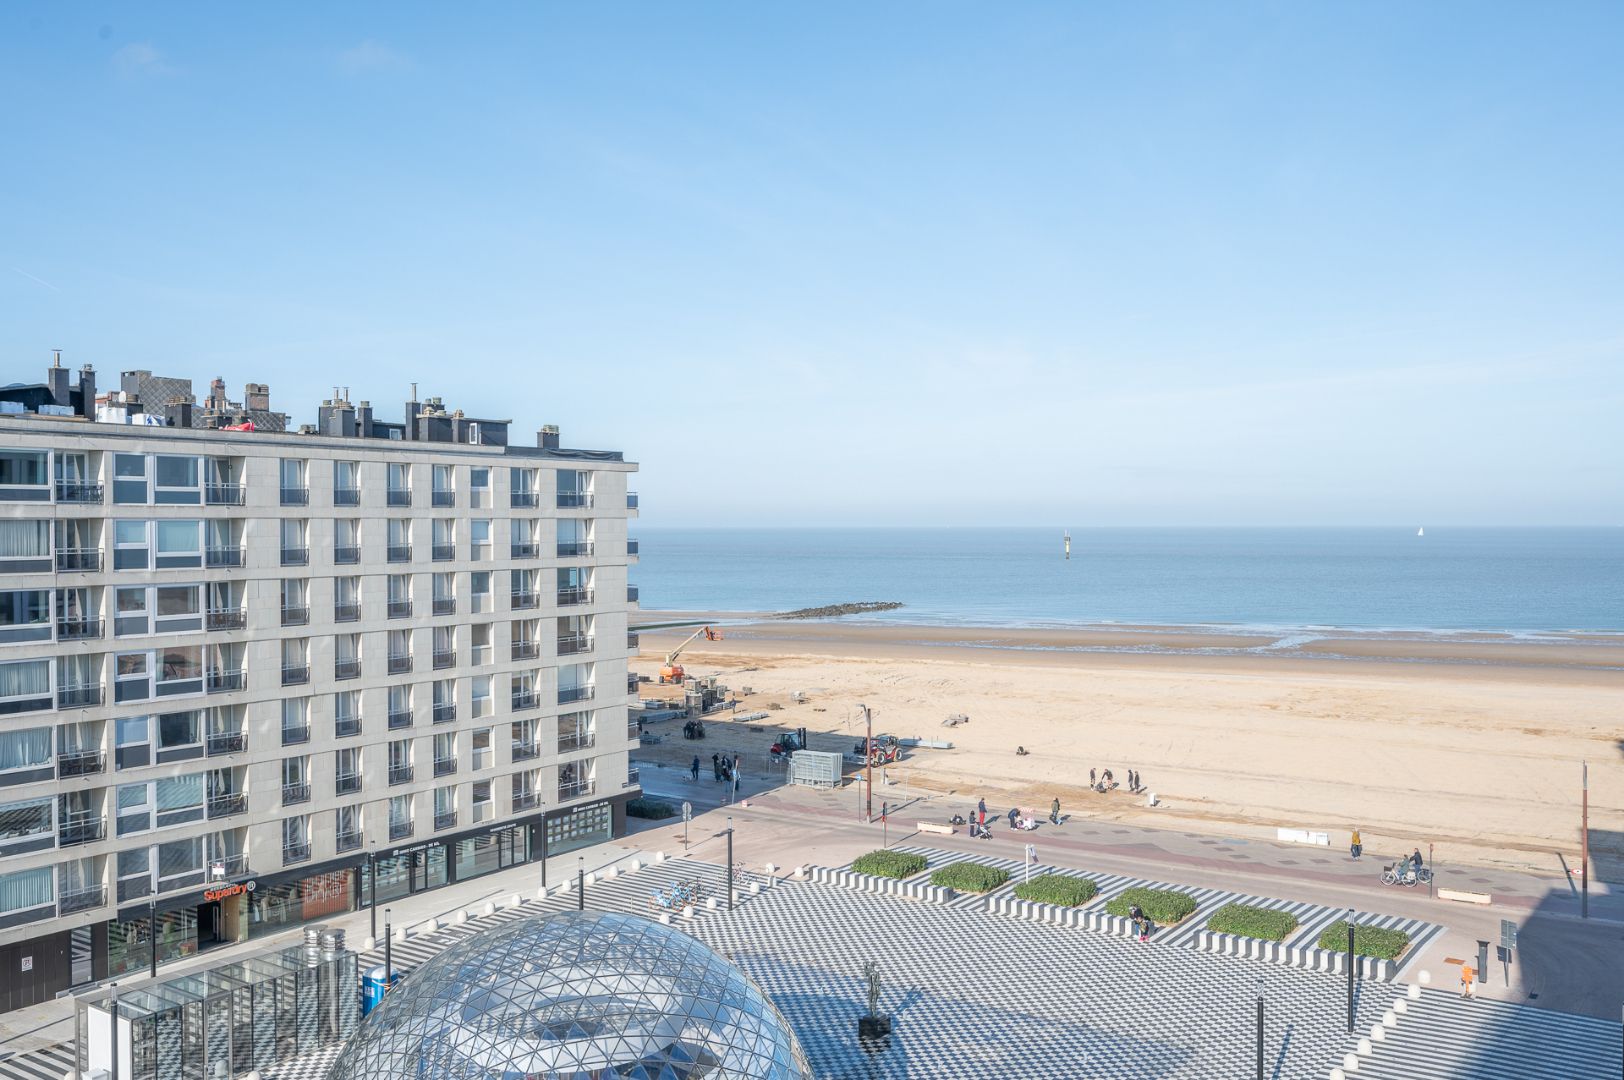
<point>575,995</point>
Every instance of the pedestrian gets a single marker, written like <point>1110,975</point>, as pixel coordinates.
<point>1054,812</point>
<point>1092,782</point>
<point>736,760</point>
<point>696,768</point>
<point>1140,923</point>
<point>727,773</point>
<point>1014,816</point>
<point>981,808</point>
<point>716,766</point>
<point>1356,846</point>
<point>1467,974</point>
<point>1133,781</point>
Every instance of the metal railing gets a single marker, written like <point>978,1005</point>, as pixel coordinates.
<point>444,658</point>
<point>445,819</point>
<point>400,663</point>
<point>295,496</point>
<point>347,841</point>
<point>345,726</point>
<point>232,865</point>
<point>445,605</point>
<point>68,559</point>
<point>526,800</point>
<point>631,500</point>
<point>346,496</point>
<point>400,774</point>
<point>78,491</point>
<point>523,550</point>
<point>569,597</point>
<point>442,552</point>
<point>232,618</point>
<point>526,751</point>
<point>295,616</point>
<point>574,500</point>
<point>400,830</point>
<point>295,793</point>
<point>570,743</point>
<point>227,742</point>
<point>570,644</point>
<point>445,712</point>
<point>78,629</point>
<point>524,650</point>
<point>523,600</point>
<point>400,496</point>
<point>293,736</point>
<point>569,694</point>
<point>346,612</point>
<point>400,553</point>
<point>223,494</point>
<point>577,549</point>
<point>400,718</point>
<point>400,609</point>
<point>524,699</point>
<point>442,497</point>
<point>347,783</point>
<point>78,697</point>
<point>578,790</point>
<point>633,778</point>
<point>346,554</point>
<point>295,674</point>
<point>347,667</point>
<point>216,558</point>
<point>523,500</point>
<point>632,640</point>
<point>76,829</point>
<point>295,556</point>
<point>295,853</point>
<point>445,766</point>
<point>220,681</point>
<point>80,763</point>
<point>227,805</point>
<point>81,900</point>
<point>633,731</point>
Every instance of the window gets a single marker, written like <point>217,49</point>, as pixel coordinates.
<point>175,481</point>
<point>24,469</point>
<point>479,537</point>
<point>347,769</point>
<point>179,543</point>
<point>347,712</point>
<point>25,685</point>
<point>346,483</point>
<point>442,480</point>
<point>160,609</point>
<point>400,477</point>
<point>178,799</point>
<point>23,890</point>
<point>20,820</point>
<point>179,730</point>
<point>132,731</point>
<point>483,754</point>
<point>22,541</point>
<point>179,863</point>
<point>29,748</point>
<point>481,804</point>
<point>481,639</point>
<point>482,695</point>
<point>25,615</point>
<point>293,474</point>
<point>130,611</point>
<point>479,487</point>
<point>131,545</point>
<point>479,590</point>
<point>130,479</point>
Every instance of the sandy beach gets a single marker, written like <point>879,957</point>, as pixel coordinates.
<point>1471,742</point>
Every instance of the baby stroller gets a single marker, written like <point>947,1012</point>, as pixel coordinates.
<point>980,830</point>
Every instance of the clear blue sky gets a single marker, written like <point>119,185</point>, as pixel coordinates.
<point>895,263</point>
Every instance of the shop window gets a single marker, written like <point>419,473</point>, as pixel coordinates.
<point>581,828</point>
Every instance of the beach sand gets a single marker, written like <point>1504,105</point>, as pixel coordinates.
<point>1472,743</point>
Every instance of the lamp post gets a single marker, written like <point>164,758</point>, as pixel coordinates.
<point>580,883</point>
<point>372,886</point>
<point>1584,840</point>
<point>1260,1029</point>
<point>388,955</point>
<point>1350,971</point>
<point>868,760</point>
<point>730,864</point>
<point>885,824</point>
<point>152,933</point>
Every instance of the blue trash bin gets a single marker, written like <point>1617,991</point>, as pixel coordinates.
<point>372,989</point>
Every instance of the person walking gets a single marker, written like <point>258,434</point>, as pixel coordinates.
<point>1054,812</point>
<point>1137,914</point>
<point>695,769</point>
<point>736,760</point>
<point>1356,846</point>
<point>1092,781</point>
<point>1014,816</point>
<point>1467,975</point>
<point>716,766</point>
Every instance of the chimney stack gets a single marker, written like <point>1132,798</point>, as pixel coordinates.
<point>87,392</point>
<point>547,437</point>
<point>257,396</point>
<point>56,380</point>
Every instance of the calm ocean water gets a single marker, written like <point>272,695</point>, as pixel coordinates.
<point>1529,579</point>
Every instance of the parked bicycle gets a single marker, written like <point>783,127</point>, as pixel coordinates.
<point>683,894</point>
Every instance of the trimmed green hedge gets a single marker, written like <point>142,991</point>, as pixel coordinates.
<point>1164,906</point>
<point>650,808</point>
<point>1253,922</point>
<point>1367,940</point>
<point>891,864</point>
<point>969,877</point>
<point>1057,889</point>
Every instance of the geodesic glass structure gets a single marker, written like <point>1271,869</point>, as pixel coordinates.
<point>577,996</point>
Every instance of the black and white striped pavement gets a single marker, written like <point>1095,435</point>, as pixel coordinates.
<point>1443,1036</point>
<point>47,1064</point>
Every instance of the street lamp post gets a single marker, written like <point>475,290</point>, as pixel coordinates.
<point>152,933</point>
<point>112,1011</point>
<point>1584,841</point>
<point>372,886</point>
<point>1350,971</point>
<point>1260,1029</point>
<point>580,883</point>
<point>388,956</point>
<point>730,864</point>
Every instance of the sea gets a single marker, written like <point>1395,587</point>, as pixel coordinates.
<point>1522,581</point>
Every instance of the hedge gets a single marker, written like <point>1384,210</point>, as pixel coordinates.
<point>1057,889</point>
<point>969,877</point>
<point>1164,906</point>
<point>1265,924</point>
<point>1367,940</point>
<point>650,808</point>
<point>891,864</point>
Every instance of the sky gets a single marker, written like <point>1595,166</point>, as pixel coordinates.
<point>839,263</point>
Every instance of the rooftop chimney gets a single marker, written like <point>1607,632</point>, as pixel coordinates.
<point>547,437</point>
<point>257,396</point>
<point>87,392</point>
<point>56,380</point>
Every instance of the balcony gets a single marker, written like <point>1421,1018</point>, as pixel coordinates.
<point>223,494</point>
<point>400,663</point>
<point>227,742</point>
<point>526,751</point>
<point>296,852</point>
<point>575,549</point>
<point>347,841</point>
<point>569,695</point>
<point>221,680</point>
<point>81,900</point>
<point>444,658</point>
<point>578,790</point>
<point>570,644</point>
<point>346,496</point>
<point>347,554</point>
<point>442,552</point>
<point>632,547</point>
<point>77,829</point>
<point>347,783</point>
<point>78,491</point>
<point>78,559</point>
<point>293,794</point>
<point>569,743</point>
<point>221,558</point>
<point>400,774</point>
<point>78,629</point>
<point>295,674</point>
<point>573,597</point>
<point>78,697</point>
<point>632,640</point>
<point>295,496</point>
<point>524,500</point>
<point>524,550</point>
<point>227,805</point>
<point>631,594</point>
<point>445,605</point>
<point>345,726</point>
<point>523,601</point>
<point>294,735</point>
<point>400,718</point>
<point>400,496</point>
<point>400,830</point>
<point>232,618</point>
<point>524,699</point>
<point>445,819</point>
<point>442,497</point>
<point>631,500</point>
<point>633,778</point>
<point>633,731</point>
<point>80,763</point>
<point>400,553</point>
<point>346,612</point>
<point>347,667</point>
<point>445,712</point>
<point>445,766</point>
<point>295,556</point>
<point>400,609</point>
<point>524,650</point>
<point>574,500</point>
<point>295,616</point>
<point>526,800</point>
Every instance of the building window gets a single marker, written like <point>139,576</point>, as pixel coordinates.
<point>25,685</point>
<point>132,545</point>
<point>479,488</point>
<point>21,820</point>
<point>24,469</point>
<point>24,890</point>
<point>23,541</point>
<point>175,481</point>
<point>26,749</point>
<point>25,615</point>
<point>179,544</point>
<point>130,479</point>
<point>583,827</point>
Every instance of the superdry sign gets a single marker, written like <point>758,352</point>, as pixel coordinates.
<point>210,895</point>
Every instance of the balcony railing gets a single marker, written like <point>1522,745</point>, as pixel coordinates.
<point>78,491</point>
<point>293,735</point>
<point>445,712</point>
<point>230,866</point>
<point>444,658</point>
<point>400,830</point>
<point>574,500</point>
<point>400,663</point>
<point>573,596</point>
<point>346,496</point>
<point>295,496</point>
<point>400,609</point>
<point>295,556</point>
<point>632,640</point>
<point>347,841</point>
<point>77,829</point>
<point>576,740</point>
<point>220,681</point>
<point>442,552</point>
<point>81,900</point>
<point>633,778</point>
<point>442,497</point>
<point>347,783</point>
<point>445,605</point>
<point>632,547</point>
<point>293,794</point>
<point>523,601</point>
<point>347,667</point>
<point>400,496</point>
<point>570,644</point>
<point>445,819</point>
<point>445,766</point>
<point>631,500</point>
<point>524,699</point>
<point>217,558</point>
<point>400,774</point>
<point>523,550</point>
<point>78,559</point>
<point>223,494</point>
<point>227,742</point>
<point>524,500</point>
<point>525,650</point>
<point>346,554</point>
<point>295,616</point>
<point>345,726</point>
<point>633,731</point>
<point>574,549</point>
<point>297,852</point>
<point>631,594</point>
<point>400,553</point>
<point>78,629</point>
<point>231,618</point>
<point>526,751</point>
<point>578,790</point>
<point>526,800</point>
<point>346,612</point>
<point>227,805</point>
<point>568,695</point>
<point>80,763</point>
<point>400,718</point>
<point>295,674</point>
<point>78,697</point>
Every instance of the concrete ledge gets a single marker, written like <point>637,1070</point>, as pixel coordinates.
<point>935,827</point>
<point>1307,957</point>
<point>1461,897</point>
<point>1084,918</point>
<point>922,891</point>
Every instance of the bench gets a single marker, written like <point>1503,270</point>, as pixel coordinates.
<point>1464,897</point>
<point>935,827</point>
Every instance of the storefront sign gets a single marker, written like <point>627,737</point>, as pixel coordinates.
<point>210,895</point>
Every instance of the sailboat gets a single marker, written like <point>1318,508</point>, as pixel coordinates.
<point>1068,544</point>
<point>1422,531</point>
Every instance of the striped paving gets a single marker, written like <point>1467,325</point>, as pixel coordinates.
<point>47,1064</point>
<point>1444,1036</point>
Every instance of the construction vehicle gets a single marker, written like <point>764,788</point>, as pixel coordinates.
<point>672,672</point>
<point>883,750</point>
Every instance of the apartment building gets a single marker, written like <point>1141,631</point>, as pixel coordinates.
<point>254,677</point>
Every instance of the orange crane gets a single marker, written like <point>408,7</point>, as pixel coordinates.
<point>673,672</point>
